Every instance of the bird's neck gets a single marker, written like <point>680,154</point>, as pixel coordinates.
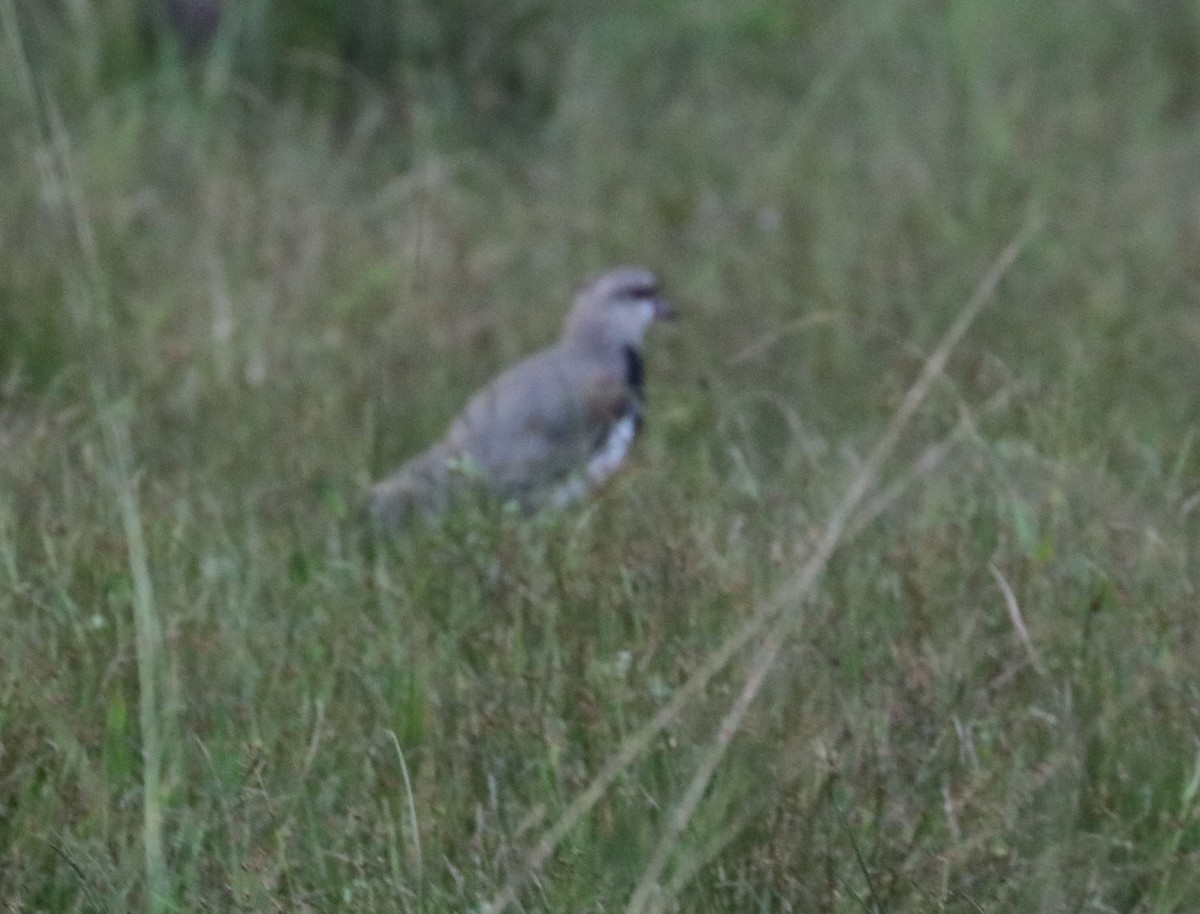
<point>600,338</point>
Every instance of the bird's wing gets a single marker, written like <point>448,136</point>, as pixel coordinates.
<point>541,420</point>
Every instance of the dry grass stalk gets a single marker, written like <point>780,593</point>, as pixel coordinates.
<point>1018,620</point>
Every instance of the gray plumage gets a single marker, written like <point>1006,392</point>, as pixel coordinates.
<point>553,426</point>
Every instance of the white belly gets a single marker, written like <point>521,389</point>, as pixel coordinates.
<point>603,463</point>
<point>612,453</point>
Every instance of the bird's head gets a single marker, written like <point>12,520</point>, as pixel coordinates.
<point>617,307</point>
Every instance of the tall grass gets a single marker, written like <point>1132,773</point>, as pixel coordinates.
<point>238,287</point>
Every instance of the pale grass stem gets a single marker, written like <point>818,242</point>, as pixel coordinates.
<point>418,859</point>
<point>84,296</point>
<point>1017,619</point>
<point>150,663</point>
<point>928,461</point>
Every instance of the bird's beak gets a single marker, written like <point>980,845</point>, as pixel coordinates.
<point>664,310</point>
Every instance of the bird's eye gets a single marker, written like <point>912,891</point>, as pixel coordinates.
<point>643,292</point>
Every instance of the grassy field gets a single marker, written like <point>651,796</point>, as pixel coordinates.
<point>773,667</point>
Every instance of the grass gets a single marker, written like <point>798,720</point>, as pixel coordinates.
<point>227,306</point>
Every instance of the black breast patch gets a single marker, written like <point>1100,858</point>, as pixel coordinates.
<point>635,372</point>
<point>635,379</point>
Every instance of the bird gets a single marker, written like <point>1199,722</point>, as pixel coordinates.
<point>553,427</point>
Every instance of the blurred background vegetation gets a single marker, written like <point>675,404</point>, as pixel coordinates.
<point>253,254</point>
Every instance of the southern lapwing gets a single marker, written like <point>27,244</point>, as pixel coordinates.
<point>552,427</point>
